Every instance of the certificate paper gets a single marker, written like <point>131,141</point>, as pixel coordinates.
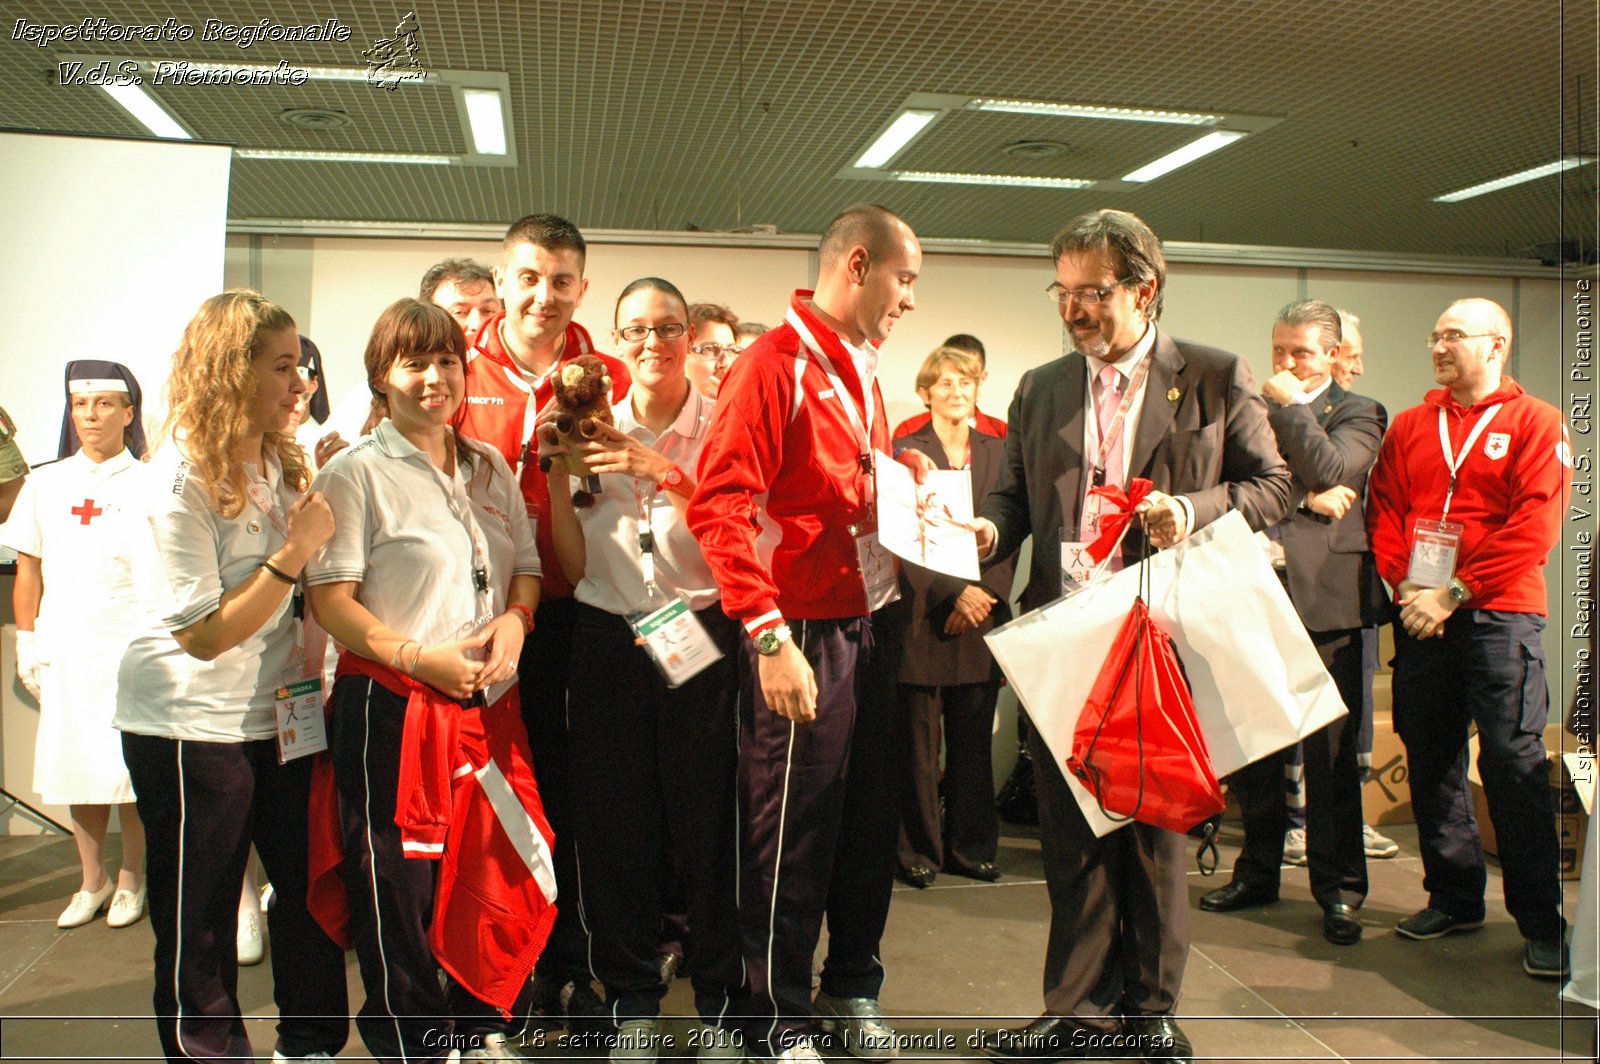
<point>928,523</point>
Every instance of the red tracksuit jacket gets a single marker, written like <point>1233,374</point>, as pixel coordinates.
<point>780,481</point>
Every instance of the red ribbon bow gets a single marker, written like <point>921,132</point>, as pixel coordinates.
<point>1112,525</point>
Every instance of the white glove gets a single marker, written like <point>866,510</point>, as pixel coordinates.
<point>28,662</point>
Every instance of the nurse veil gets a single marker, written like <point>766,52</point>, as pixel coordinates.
<point>76,612</point>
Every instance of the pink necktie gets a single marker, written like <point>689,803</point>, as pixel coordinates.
<point>1107,402</point>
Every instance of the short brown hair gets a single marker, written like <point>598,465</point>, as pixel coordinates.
<point>964,361</point>
<point>1134,249</point>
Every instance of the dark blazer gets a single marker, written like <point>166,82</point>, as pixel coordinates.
<point>1202,433</point>
<point>1334,440</point>
<point>930,657</point>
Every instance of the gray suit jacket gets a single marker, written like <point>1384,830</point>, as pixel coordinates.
<point>1203,434</point>
<point>1332,578</point>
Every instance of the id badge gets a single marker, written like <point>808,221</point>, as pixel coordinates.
<point>676,641</point>
<point>1433,553</point>
<point>877,570</point>
<point>301,729</point>
<point>1076,564</point>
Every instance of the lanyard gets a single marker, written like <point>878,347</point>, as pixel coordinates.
<point>1452,460</point>
<point>647,542</point>
<point>863,440</point>
<point>460,504</point>
<point>1135,382</point>
<point>261,498</point>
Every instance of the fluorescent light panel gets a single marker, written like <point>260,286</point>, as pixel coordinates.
<point>1078,110</point>
<point>487,119</point>
<point>313,73</point>
<point>274,154</point>
<point>1571,162</point>
<point>150,114</point>
<point>900,133</point>
<point>1195,149</point>
<point>942,177</point>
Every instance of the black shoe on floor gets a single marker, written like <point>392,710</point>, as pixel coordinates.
<point>1158,1038</point>
<point>919,876</point>
<point>1545,960</point>
<point>1431,923</point>
<point>986,872</point>
<point>1045,1039</point>
<point>1236,896</point>
<point>1340,925</point>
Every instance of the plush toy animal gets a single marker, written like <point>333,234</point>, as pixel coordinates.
<point>582,390</point>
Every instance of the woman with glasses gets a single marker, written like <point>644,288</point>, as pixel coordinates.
<point>715,346</point>
<point>231,529</point>
<point>653,742</point>
<point>947,676</point>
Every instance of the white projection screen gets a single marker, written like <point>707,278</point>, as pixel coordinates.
<point>108,247</point>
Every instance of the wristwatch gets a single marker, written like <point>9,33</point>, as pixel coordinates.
<point>672,480</point>
<point>1458,591</point>
<point>771,641</point>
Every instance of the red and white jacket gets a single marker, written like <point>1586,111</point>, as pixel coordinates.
<point>500,409</point>
<point>466,798</point>
<point>781,483</point>
<point>1511,493</point>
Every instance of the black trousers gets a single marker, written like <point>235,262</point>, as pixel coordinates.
<point>653,764</point>
<point>1488,670</point>
<point>1335,855</point>
<point>542,679</point>
<point>203,804</point>
<point>970,833</point>
<point>409,1013</point>
<point>1119,909</point>
<point>821,824</point>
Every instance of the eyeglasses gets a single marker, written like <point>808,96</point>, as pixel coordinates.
<point>710,352</point>
<point>1085,297</point>
<point>670,331</point>
<point>1451,337</point>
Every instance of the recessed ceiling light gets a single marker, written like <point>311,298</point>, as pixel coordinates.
<point>1033,149</point>
<point>901,132</point>
<point>314,118</point>
<point>1195,149</point>
<point>1080,110</point>
<point>486,118</point>
<point>150,114</point>
<point>942,177</point>
<point>1571,162</point>
<point>281,155</point>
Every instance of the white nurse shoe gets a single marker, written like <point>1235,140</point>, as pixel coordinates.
<point>86,905</point>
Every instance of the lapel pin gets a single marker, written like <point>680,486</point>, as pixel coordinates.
<point>1172,395</point>
<point>1328,409</point>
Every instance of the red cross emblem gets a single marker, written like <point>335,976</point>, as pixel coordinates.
<point>87,512</point>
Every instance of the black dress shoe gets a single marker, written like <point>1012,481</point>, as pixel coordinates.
<point>1045,1039</point>
<point>987,872</point>
<point>919,876</point>
<point>1236,896</point>
<point>1340,925</point>
<point>1158,1038</point>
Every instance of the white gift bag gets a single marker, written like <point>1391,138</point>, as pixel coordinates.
<point>1258,683</point>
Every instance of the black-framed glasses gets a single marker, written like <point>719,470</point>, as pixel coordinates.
<point>1084,297</point>
<point>667,331</point>
<point>714,352</point>
<point>1451,337</point>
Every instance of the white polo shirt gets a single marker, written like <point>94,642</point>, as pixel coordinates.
<point>405,533</point>
<point>613,576</point>
<point>192,556</point>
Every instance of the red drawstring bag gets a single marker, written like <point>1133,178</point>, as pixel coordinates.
<point>1138,747</point>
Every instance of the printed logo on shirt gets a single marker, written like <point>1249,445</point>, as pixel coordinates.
<point>181,476</point>
<point>825,395</point>
<point>1495,446</point>
<point>486,400</point>
<point>496,512</point>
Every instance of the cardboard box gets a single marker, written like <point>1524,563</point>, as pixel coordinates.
<point>1386,796</point>
<point>1572,778</point>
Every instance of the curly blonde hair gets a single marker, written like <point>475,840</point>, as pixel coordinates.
<point>212,387</point>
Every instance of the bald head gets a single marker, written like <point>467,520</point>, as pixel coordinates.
<point>866,225</point>
<point>1485,315</point>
